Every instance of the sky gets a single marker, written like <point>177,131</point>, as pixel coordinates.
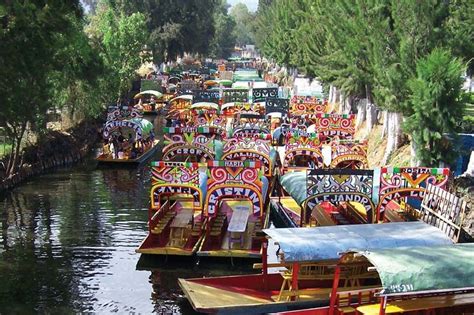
<point>251,4</point>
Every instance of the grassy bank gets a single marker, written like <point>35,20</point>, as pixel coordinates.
<point>5,149</point>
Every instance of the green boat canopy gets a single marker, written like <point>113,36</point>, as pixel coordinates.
<point>294,184</point>
<point>423,269</point>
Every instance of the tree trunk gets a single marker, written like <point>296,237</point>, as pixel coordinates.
<point>413,161</point>
<point>384,124</point>
<point>16,151</point>
<point>346,103</point>
<point>371,117</point>
<point>394,134</point>
<point>361,112</point>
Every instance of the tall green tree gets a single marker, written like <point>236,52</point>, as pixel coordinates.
<point>223,42</point>
<point>244,20</point>
<point>437,105</point>
<point>175,26</point>
<point>31,33</point>
<point>120,39</point>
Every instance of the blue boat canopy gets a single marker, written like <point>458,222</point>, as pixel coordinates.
<point>328,242</point>
<point>423,270</point>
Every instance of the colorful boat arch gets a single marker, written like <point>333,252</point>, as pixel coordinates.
<point>401,182</point>
<point>234,179</point>
<point>197,142</point>
<point>349,154</point>
<point>177,178</point>
<point>250,131</point>
<point>248,149</point>
<point>303,145</point>
<point>307,105</point>
<point>336,125</point>
<point>337,185</point>
<point>217,123</point>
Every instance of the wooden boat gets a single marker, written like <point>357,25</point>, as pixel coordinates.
<point>235,210</point>
<point>302,149</point>
<point>138,142</point>
<point>151,101</point>
<point>346,196</point>
<point>402,287</point>
<point>175,218</point>
<point>307,261</point>
<point>407,185</point>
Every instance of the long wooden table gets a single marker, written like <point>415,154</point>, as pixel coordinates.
<point>179,225</point>
<point>238,224</point>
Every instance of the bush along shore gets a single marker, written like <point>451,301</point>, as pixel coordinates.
<point>55,149</point>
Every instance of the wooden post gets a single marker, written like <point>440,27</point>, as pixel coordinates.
<point>335,285</point>
<point>265,264</point>
<point>294,278</point>
<point>383,304</point>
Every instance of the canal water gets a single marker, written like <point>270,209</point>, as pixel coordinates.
<point>67,245</point>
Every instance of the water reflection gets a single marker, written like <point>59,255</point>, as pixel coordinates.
<point>68,240</point>
<point>67,245</point>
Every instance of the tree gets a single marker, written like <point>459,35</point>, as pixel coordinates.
<point>244,20</point>
<point>120,40</point>
<point>175,26</point>
<point>32,31</point>
<point>223,42</point>
<point>437,103</point>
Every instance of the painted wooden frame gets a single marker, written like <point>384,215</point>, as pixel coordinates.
<point>248,149</point>
<point>171,178</point>
<point>234,179</point>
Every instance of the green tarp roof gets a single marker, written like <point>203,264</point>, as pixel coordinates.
<point>424,269</point>
<point>294,184</point>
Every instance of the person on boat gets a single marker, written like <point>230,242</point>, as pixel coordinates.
<point>114,147</point>
<point>111,147</point>
<point>131,139</point>
<point>152,136</point>
<point>139,105</point>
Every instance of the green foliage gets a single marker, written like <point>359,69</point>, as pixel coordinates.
<point>244,19</point>
<point>120,40</point>
<point>223,42</point>
<point>175,26</point>
<point>366,48</point>
<point>437,103</point>
<point>31,34</point>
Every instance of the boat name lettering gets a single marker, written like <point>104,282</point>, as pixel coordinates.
<point>318,199</point>
<point>248,155</point>
<point>238,192</point>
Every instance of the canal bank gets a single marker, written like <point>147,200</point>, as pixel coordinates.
<point>57,149</point>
